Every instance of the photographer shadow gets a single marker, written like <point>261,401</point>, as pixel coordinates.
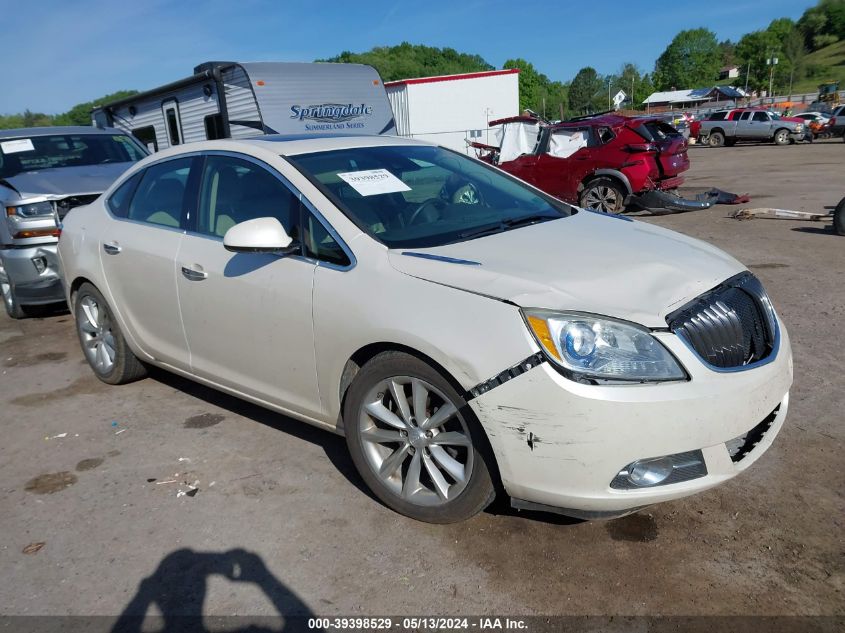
<point>178,587</point>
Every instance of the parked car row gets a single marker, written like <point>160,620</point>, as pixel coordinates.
<point>729,126</point>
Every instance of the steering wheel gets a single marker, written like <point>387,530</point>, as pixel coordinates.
<point>467,194</point>
<point>423,205</point>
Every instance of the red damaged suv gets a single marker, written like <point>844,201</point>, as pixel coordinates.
<point>602,162</point>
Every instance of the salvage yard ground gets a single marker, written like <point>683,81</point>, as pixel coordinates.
<point>227,508</point>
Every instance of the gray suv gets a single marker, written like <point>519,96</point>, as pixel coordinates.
<point>44,173</point>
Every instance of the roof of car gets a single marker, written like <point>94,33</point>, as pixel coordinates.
<point>59,129</point>
<point>288,145</point>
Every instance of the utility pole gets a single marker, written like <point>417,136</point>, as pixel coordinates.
<point>771,62</point>
<point>747,73</point>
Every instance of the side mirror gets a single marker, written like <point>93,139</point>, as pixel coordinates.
<point>261,235</point>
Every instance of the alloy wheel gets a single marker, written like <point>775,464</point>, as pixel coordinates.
<point>415,441</point>
<point>602,198</point>
<point>95,330</point>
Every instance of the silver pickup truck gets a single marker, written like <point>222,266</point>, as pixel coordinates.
<point>726,127</point>
<point>44,173</point>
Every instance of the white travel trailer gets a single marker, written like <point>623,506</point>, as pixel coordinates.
<point>240,100</point>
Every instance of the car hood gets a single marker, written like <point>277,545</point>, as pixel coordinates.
<point>67,180</point>
<point>587,262</point>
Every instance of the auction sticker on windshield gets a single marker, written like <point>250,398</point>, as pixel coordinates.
<point>372,182</point>
<point>19,145</point>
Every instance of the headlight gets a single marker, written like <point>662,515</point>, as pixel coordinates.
<point>596,347</point>
<point>31,209</point>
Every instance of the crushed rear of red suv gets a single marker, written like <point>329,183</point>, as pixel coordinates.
<point>601,162</point>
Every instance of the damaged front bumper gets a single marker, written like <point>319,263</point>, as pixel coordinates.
<point>35,273</point>
<point>564,445</point>
<point>665,201</point>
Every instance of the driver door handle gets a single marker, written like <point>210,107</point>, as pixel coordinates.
<point>112,248</point>
<point>192,274</point>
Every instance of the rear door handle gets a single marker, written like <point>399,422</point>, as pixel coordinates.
<point>112,248</point>
<point>193,274</point>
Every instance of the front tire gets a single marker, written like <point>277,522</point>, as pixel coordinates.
<point>102,342</point>
<point>603,194</point>
<point>782,137</point>
<point>415,442</point>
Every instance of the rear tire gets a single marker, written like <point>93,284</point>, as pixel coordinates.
<point>782,137</point>
<point>603,194</point>
<point>102,342</point>
<point>839,218</point>
<point>400,457</point>
<point>716,139</point>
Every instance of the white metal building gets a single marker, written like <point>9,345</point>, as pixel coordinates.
<point>451,109</point>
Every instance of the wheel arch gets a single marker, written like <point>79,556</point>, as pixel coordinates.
<point>613,174</point>
<point>366,353</point>
<point>75,285</point>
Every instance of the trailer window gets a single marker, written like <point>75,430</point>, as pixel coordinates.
<point>147,136</point>
<point>214,127</point>
<point>172,120</point>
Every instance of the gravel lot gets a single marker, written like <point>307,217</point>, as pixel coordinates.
<point>280,522</point>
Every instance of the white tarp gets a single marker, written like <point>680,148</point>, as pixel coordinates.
<point>517,139</point>
<point>565,143</point>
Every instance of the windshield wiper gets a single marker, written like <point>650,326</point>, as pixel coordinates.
<point>509,223</point>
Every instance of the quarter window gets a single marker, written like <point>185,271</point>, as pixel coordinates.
<point>119,200</point>
<point>160,196</point>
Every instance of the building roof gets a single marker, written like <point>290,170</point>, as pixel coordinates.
<point>696,94</point>
<point>429,80</point>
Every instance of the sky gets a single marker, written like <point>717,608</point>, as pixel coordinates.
<point>60,53</point>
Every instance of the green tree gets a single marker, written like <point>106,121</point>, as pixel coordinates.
<point>414,60</point>
<point>537,92</point>
<point>692,60</point>
<point>531,83</point>
<point>81,114</point>
<point>587,92</point>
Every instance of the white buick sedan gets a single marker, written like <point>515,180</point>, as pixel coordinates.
<point>466,332</point>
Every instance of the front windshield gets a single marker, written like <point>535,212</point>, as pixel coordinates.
<point>35,153</point>
<point>421,196</point>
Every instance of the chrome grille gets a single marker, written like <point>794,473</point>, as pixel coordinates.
<point>730,326</point>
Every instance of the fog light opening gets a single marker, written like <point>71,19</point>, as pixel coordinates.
<point>40,264</point>
<point>650,472</point>
<point>660,471</point>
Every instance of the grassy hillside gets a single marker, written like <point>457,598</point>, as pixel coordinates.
<point>825,64</point>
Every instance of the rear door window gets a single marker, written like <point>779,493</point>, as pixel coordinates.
<point>161,194</point>
<point>744,116</point>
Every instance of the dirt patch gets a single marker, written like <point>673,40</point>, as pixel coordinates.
<point>89,464</point>
<point>86,385</point>
<point>49,483</point>
<point>204,420</point>
<point>634,527</point>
